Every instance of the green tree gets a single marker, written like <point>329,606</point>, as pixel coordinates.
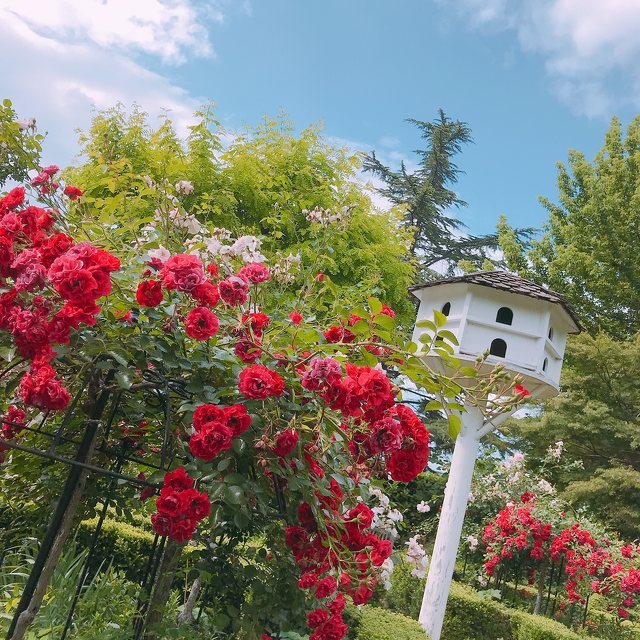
<point>260,183</point>
<point>428,197</point>
<point>20,144</point>
<point>589,249</point>
<point>597,419</point>
<point>588,253</point>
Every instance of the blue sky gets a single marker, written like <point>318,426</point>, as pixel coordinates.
<point>532,78</point>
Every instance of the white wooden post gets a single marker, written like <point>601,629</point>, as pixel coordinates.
<point>456,496</point>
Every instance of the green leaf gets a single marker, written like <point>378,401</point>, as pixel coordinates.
<point>449,336</point>
<point>385,321</point>
<point>426,324</point>
<point>433,405</point>
<point>454,425</point>
<point>440,318</point>
<point>118,358</point>
<point>239,445</point>
<point>234,495</point>
<point>375,305</point>
<point>241,519</point>
<point>468,371</point>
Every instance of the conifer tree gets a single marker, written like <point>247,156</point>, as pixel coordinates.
<point>429,197</point>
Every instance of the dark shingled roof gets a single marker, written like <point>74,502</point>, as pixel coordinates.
<point>505,281</point>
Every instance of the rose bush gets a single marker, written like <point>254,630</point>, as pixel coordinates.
<point>294,405</point>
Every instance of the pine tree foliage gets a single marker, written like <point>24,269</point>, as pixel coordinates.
<point>429,198</point>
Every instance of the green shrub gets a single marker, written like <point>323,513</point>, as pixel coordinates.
<point>530,627</point>
<point>470,618</point>
<point>126,547</point>
<point>405,595</point>
<point>379,624</point>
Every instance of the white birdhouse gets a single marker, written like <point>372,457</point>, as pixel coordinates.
<point>523,325</point>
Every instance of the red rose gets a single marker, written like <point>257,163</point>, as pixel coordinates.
<point>236,418</point>
<point>339,334</point>
<point>149,293</point>
<point>387,311</point>
<point>53,247</point>
<point>182,272</point>
<point>405,465</point>
<point>385,437</point>
<point>14,422</point>
<point>361,514</point>
<point>78,286</point>
<point>32,277</point>
<point>307,580</point>
<point>338,605</point>
<point>182,529</point>
<point>6,255</point>
<point>254,272</point>
<point>161,523</point>
<point>259,382</point>
<point>257,321</point>
<point>170,502</point>
<point>11,223</point>
<point>285,443</point>
<point>212,439</point>
<point>247,350</point>
<point>201,323</point>
<point>13,199</point>
<point>206,294</point>
<point>295,317</point>
<point>381,551</point>
<point>207,413</point>
<point>326,587</point>
<point>40,388</point>
<point>362,594</point>
<point>40,179</point>
<point>233,290</point>
<point>306,517</point>
<point>196,505</point>
<point>72,192</point>
<point>177,480</point>
<point>295,537</point>
<point>316,617</point>
<point>322,372</point>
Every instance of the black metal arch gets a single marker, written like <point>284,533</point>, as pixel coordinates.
<point>99,397</point>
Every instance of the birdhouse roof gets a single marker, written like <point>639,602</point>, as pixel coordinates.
<point>506,281</point>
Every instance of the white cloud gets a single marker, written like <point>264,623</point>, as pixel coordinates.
<point>591,47</point>
<point>59,76</point>
<point>170,29</point>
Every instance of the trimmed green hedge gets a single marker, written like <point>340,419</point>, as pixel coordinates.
<point>125,546</point>
<point>380,624</point>
<point>468,618</point>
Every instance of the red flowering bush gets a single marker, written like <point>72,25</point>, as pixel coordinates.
<point>180,507</point>
<point>589,563</point>
<point>51,286</point>
<point>284,416</point>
